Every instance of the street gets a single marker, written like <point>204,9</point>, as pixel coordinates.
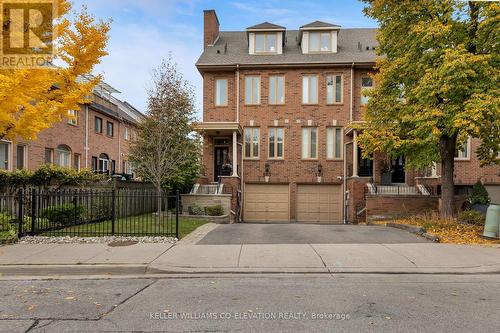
<point>254,303</point>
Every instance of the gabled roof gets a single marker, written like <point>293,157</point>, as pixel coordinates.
<point>320,24</point>
<point>266,26</point>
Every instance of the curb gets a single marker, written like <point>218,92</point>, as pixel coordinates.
<point>420,231</point>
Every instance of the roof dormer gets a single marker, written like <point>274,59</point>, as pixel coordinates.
<point>266,39</point>
<point>319,37</point>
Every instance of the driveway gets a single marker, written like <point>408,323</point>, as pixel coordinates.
<point>248,233</point>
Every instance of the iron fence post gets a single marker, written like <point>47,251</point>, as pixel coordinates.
<point>113,212</point>
<point>34,208</point>
<point>177,214</point>
<point>20,197</point>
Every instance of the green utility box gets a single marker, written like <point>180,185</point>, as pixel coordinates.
<point>492,225</point>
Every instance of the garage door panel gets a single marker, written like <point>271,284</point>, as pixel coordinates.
<point>266,203</point>
<point>319,203</point>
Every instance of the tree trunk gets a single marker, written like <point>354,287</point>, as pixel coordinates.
<point>158,201</point>
<point>447,147</point>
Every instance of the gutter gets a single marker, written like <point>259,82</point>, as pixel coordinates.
<point>351,102</point>
<point>237,93</point>
<point>86,148</point>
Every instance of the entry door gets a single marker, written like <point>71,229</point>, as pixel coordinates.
<point>221,157</point>
<point>398,170</point>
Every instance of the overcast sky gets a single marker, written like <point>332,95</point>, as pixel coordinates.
<point>145,31</point>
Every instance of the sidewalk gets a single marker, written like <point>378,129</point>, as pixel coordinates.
<point>142,259</point>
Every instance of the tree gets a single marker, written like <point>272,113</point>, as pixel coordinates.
<point>436,84</point>
<point>167,151</point>
<point>32,100</point>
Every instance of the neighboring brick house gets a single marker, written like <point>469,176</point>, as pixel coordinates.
<point>277,105</point>
<point>97,139</point>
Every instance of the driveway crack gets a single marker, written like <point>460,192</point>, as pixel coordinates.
<point>239,256</point>
<point>321,258</point>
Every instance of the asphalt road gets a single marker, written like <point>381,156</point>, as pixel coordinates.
<point>302,233</point>
<point>292,303</point>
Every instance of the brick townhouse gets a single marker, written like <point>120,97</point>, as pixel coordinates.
<point>96,137</point>
<point>277,105</point>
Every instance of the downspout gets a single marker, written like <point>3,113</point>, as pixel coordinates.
<point>351,102</point>
<point>237,93</point>
<point>344,179</point>
<point>86,148</point>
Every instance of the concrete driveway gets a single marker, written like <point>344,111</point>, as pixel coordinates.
<point>248,233</point>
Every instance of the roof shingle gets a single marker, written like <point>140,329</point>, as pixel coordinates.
<point>266,26</point>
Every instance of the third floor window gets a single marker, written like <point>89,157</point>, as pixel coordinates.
<point>221,92</point>
<point>252,90</point>
<point>334,89</point>
<point>98,125</point>
<point>266,43</point>
<point>310,89</point>
<point>320,42</point>
<point>276,89</point>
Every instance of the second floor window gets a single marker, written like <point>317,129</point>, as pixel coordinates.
<point>252,137</point>
<point>77,162</point>
<point>221,92</point>
<point>126,134</point>
<point>4,155</point>
<point>320,42</point>
<point>98,125</point>
<point>334,143</point>
<point>310,89</point>
<point>49,155</point>
<point>366,84</point>
<point>63,156</point>
<point>73,117</point>
<point>334,89</point>
<point>463,152</point>
<point>276,142</point>
<point>266,43</point>
<point>276,90</point>
<point>109,128</point>
<point>309,143</point>
<point>22,154</point>
<point>252,90</point>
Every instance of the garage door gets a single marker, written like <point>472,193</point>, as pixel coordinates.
<point>319,203</point>
<point>494,192</point>
<point>266,203</point>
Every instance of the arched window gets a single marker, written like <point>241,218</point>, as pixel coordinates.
<point>104,163</point>
<point>63,156</point>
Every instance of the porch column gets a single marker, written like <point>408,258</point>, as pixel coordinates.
<point>235,154</point>
<point>355,162</point>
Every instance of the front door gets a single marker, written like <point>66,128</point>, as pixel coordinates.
<point>221,160</point>
<point>398,170</point>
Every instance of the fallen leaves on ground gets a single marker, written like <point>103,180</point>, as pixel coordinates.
<point>448,231</point>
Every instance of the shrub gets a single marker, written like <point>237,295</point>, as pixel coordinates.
<point>63,214</point>
<point>217,210</point>
<point>479,195</point>
<point>471,217</point>
<point>8,232</point>
<point>195,210</point>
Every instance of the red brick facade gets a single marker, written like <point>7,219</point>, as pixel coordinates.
<point>75,138</point>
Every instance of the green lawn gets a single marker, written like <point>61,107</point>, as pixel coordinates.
<point>144,225</point>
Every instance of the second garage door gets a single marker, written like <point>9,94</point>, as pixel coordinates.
<point>319,203</point>
<point>266,203</point>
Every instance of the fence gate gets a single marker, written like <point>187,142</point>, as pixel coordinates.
<point>91,213</point>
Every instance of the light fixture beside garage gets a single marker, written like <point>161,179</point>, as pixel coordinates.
<point>319,173</point>
<point>267,172</point>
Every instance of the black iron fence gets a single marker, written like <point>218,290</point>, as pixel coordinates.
<point>88,213</point>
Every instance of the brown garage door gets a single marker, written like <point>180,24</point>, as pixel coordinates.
<point>266,203</point>
<point>494,192</point>
<point>319,203</point>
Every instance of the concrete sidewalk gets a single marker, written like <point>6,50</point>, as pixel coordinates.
<point>141,259</point>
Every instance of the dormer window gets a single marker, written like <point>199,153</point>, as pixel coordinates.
<point>266,38</point>
<point>319,37</point>
<point>320,42</point>
<point>266,43</point>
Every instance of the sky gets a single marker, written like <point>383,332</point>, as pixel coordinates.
<point>143,32</point>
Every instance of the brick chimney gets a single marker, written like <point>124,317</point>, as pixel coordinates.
<point>211,27</point>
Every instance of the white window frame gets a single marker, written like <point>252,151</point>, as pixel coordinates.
<point>112,129</point>
<point>277,141</point>
<point>74,117</point>
<point>366,99</point>
<point>320,35</point>
<point>306,151</point>
<point>332,142</point>
<point>252,143</point>
<point>9,155</point>
<point>277,79</point>
<point>126,134</point>
<point>77,162</point>
<point>219,98</point>
<point>67,161</point>
<point>306,84</point>
<point>331,94</point>
<point>266,43</point>
<point>464,155</point>
<point>254,95</point>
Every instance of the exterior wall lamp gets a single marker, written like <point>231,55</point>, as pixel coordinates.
<point>319,174</point>
<point>267,172</point>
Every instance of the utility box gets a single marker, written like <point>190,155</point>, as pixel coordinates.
<point>492,224</point>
